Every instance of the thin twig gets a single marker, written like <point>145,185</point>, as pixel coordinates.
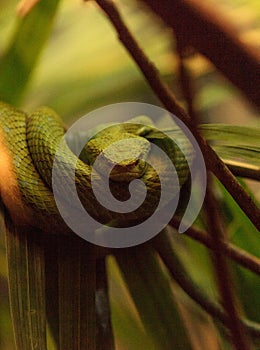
<point>245,259</point>
<point>147,67</point>
<point>239,338</point>
<point>169,101</point>
<point>163,245</point>
<point>185,80</point>
<point>238,332</point>
<point>239,255</point>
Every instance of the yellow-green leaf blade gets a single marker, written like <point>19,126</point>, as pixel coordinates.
<point>18,62</point>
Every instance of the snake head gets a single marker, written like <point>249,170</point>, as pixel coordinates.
<point>125,158</point>
<point>118,154</point>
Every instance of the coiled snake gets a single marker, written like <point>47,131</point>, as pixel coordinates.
<point>28,145</point>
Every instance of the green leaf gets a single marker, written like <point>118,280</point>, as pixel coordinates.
<point>19,60</point>
<point>76,292</point>
<point>25,256</point>
<point>151,292</point>
<point>244,234</point>
<point>128,328</point>
<point>64,285</point>
<point>238,146</point>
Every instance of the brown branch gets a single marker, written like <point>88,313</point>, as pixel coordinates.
<point>221,171</point>
<point>187,86</point>
<point>207,30</point>
<point>242,257</point>
<point>239,338</point>
<point>169,101</point>
<point>148,69</point>
<point>238,332</point>
<point>245,259</point>
<point>163,245</point>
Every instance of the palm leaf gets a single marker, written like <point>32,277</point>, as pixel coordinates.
<point>25,255</point>
<point>151,292</point>
<point>20,58</point>
<point>238,146</point>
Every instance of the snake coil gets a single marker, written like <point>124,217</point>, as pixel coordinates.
<point>116,157</point>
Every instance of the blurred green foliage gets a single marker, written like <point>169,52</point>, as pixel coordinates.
<point>83,66</point>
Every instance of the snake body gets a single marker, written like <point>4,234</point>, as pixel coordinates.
<point>28,145</point>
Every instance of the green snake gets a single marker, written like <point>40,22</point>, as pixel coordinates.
<point>28,144</point>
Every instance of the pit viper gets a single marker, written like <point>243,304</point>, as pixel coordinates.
<point>28,144</point>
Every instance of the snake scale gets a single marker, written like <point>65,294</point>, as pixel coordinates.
<point>28,145</point>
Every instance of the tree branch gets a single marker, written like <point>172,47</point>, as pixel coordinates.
<point>237,330</point>
<point>186,83</point>
<point>245,259</point>
<point>169,101</point>
<point>207,30</point>
<point>163,245</point>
